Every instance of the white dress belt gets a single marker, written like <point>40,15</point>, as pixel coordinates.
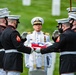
<point>67,52</point>
<point>12,50</point>
<point>2,50</point>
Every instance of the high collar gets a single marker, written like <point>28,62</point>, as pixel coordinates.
<point>3,26</point>
<point>11,26</point>
<point>67,29</point>
<point>37,32</point>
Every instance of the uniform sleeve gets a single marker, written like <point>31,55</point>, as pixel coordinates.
<point>56,47</point>
<point>47,38</point>
<point>18,44</point>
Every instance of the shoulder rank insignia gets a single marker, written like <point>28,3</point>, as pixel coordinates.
<point>29,32</point>
<point>47,34</point>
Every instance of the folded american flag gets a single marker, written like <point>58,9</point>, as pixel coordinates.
<point>38,45</point>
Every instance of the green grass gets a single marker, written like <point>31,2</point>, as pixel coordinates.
<point>37,8</point>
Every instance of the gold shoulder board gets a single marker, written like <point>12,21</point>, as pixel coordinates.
<point>29,32</point>
<point>47,34</point>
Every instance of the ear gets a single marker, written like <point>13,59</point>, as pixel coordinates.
<point>63,26</point>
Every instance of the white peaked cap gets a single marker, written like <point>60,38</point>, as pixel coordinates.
<point>37,20</point>
<point>64,20</point>
<point>4,12</point>
<point>3,9</point>
<point>72,16</point>
<point>13,17</point>
<point>73,9</point>
<point>4,15</point>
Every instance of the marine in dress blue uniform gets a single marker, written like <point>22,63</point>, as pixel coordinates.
<point>13,45</point>
<point>3,14</point>
<point>72,17</point>
<point>66,45</point>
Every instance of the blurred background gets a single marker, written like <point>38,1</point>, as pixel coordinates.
<point>42,8</point>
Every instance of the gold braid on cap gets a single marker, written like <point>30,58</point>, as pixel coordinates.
<point>37,21</point>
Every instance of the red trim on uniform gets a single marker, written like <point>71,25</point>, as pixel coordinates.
<point>18,39</point>
<point>58,39</point>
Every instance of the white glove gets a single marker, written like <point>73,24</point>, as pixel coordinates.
<point>37,50</point>
<point>23,35</point>
<point>27,66</point>
<point>48,44</point>
<point>32,49</point>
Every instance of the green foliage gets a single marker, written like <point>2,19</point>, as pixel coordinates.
<point>41,8</point>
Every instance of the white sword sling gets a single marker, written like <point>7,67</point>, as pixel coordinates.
<point>36,71</point>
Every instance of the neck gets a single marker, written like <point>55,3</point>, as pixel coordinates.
<point>11,26</point>
<point>2,24</point>
<point>37,31</point>
<point>66,28</point>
